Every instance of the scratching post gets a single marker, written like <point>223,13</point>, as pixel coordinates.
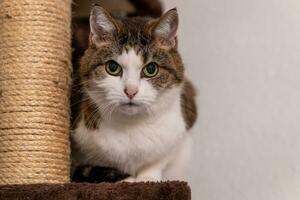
<point>34,91</point>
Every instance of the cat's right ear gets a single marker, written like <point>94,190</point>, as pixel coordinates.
<point>102,25</point>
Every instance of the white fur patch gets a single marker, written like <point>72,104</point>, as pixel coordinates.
<point>130,59</point>
<point>132,64</point>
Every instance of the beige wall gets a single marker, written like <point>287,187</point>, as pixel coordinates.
<point>244,57</point>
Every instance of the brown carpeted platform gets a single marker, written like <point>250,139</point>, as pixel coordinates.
<point>172,190</point>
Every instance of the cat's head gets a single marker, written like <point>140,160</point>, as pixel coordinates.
<point>132,65</point>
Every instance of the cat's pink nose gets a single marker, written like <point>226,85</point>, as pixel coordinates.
<point>131,91</point>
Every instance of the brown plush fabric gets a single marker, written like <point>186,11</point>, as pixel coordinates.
<point>173,190</point>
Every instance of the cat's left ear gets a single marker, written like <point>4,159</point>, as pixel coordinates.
<point>102,25</point>
<point>166,28</point>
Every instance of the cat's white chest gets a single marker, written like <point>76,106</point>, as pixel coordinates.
<point>131,146</point>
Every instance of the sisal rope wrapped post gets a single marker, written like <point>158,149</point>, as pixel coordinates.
<point>35,73</point>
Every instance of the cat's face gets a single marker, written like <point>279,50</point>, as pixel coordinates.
<point>132,64</point>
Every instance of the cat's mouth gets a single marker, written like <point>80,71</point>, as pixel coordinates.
<point>130,108</point>
<point>130,104</point>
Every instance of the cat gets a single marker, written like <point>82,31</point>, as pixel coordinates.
<point>137,105</point>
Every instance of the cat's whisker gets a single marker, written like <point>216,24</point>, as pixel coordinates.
<point>106,111</point>
<point>80,101</point>
<point>91,116</point>
<point>79,116</point>
<point>149,111</point>
<point>81,83</point>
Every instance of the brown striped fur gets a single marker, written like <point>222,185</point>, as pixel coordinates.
<point>188,104</point>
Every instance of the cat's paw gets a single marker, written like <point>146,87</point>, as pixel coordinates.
<point>129,179</point>
<point>140,179</point>
<point>147,179</point>
<point>96,174</point>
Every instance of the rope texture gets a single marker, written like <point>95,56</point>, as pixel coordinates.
<point>35,69</point>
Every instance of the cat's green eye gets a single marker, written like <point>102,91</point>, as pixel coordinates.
<point>113,68</point>
<point>150,70</point>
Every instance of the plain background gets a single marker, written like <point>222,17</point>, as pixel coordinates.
<point>244,58</point>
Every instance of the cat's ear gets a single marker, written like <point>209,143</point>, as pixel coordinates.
<point>102,25</point>
<point>166,28</point>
